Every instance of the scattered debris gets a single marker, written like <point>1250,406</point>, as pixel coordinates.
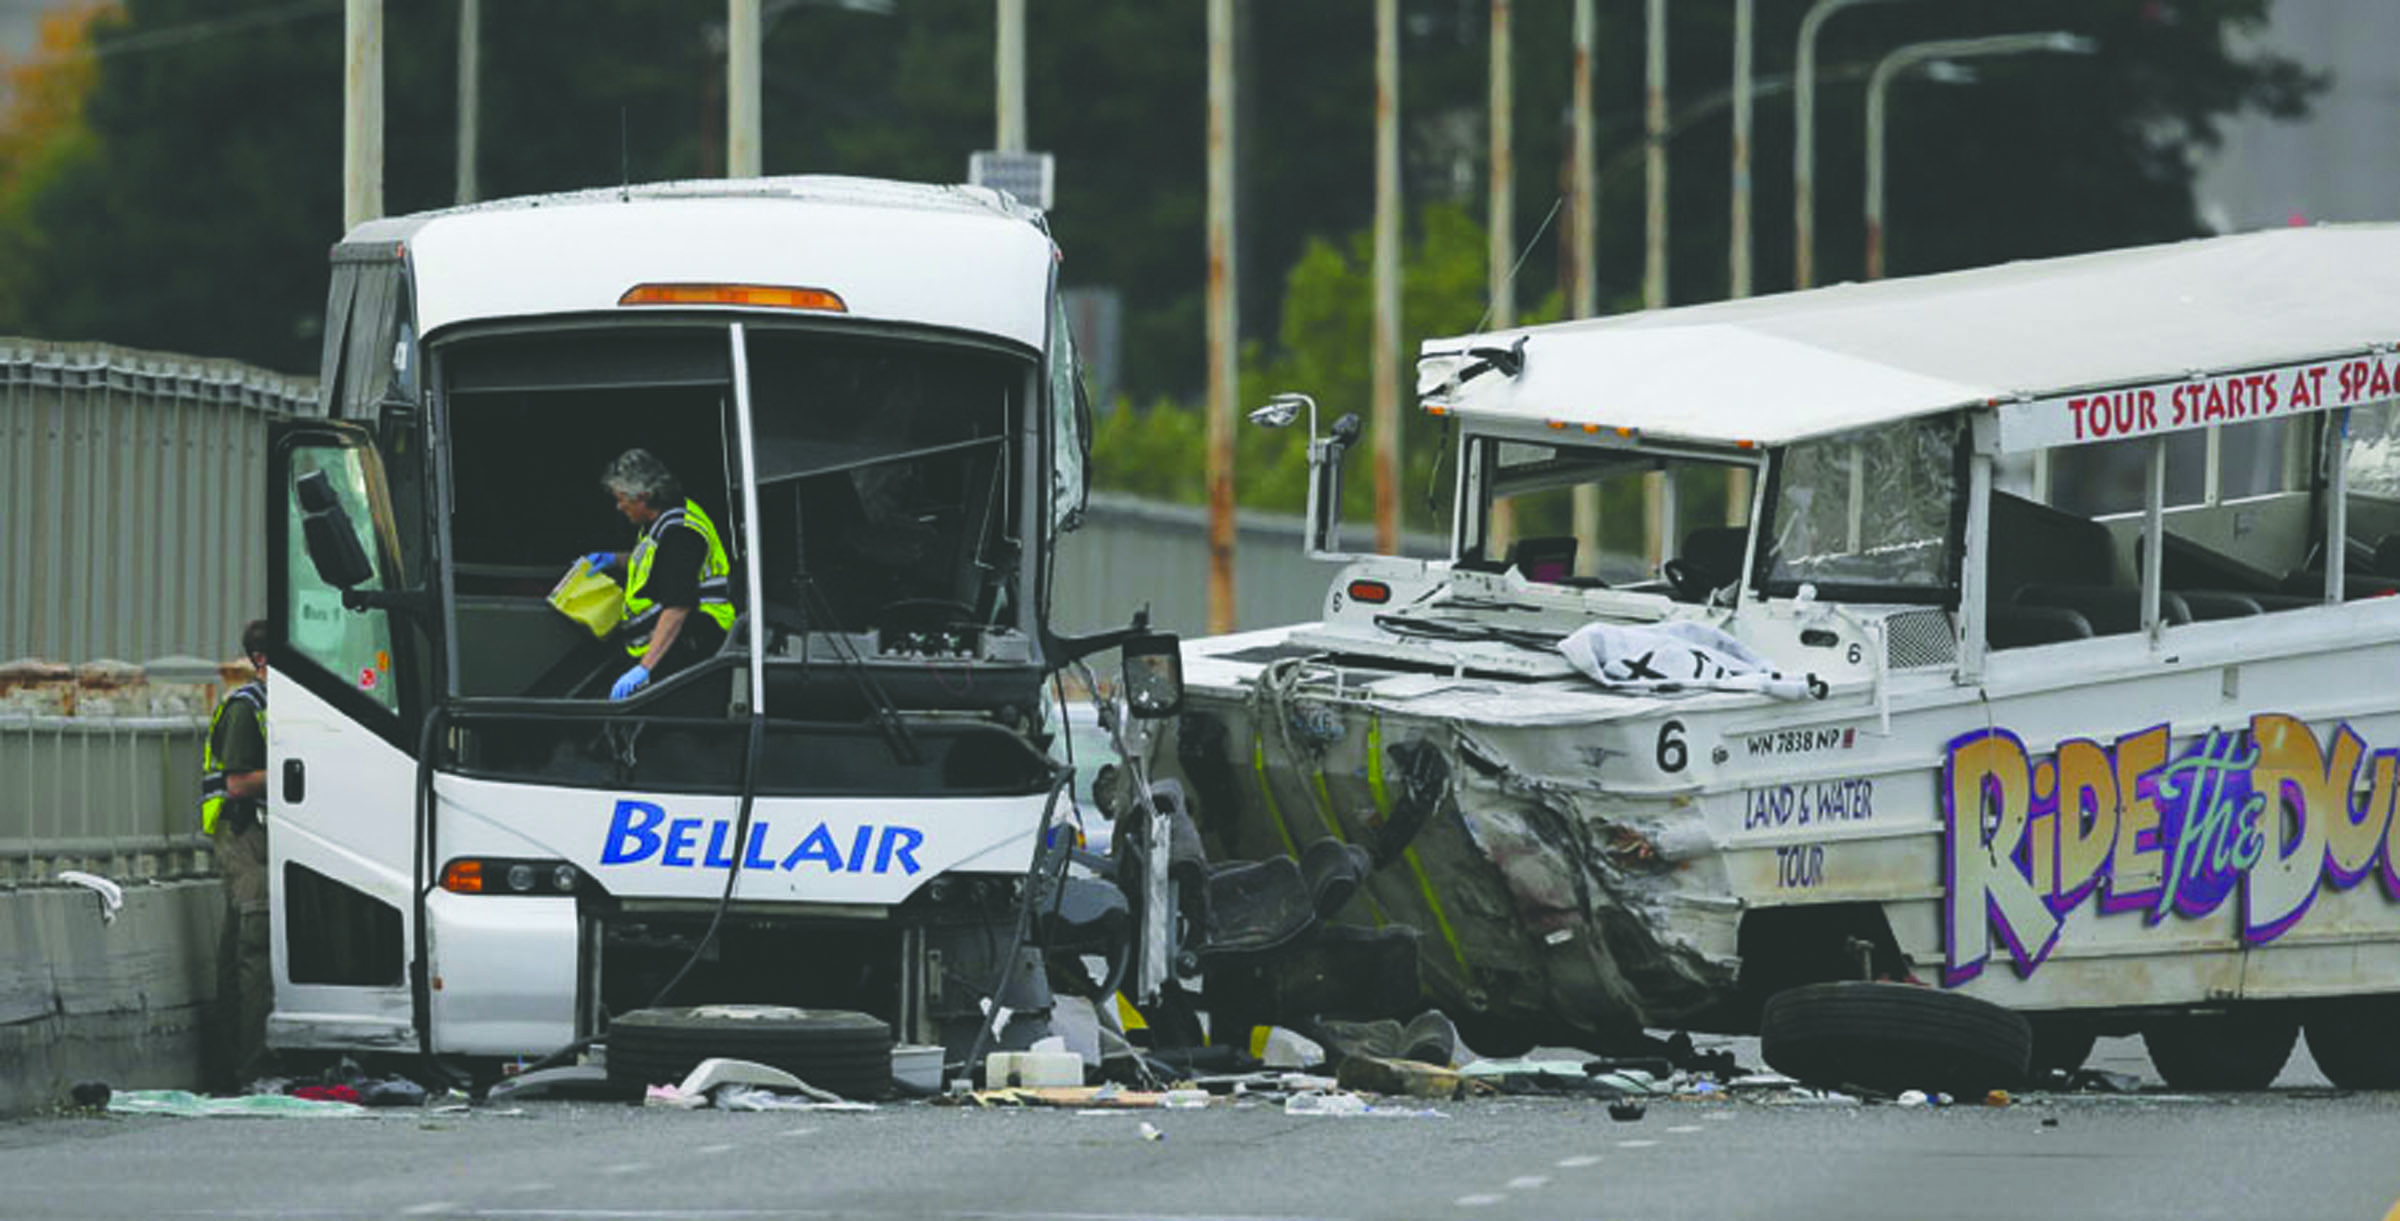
<point>188,1105</point>
<point>1150,1131</point>
<point>1625,1110</point>
<point>91,1094</point>
<point>1408,1078</point>
<point>111,895</point>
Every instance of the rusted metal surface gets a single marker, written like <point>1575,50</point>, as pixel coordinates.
<point>1224,317</point>
<point>1385,351</point>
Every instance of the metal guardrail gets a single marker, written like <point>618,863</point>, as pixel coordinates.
<point>115,795</point>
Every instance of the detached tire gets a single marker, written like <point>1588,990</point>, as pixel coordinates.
<point>2356,1041</point>
<point>1894,1037</point>
<point>2220,1052</point>
<point>832,1049</point>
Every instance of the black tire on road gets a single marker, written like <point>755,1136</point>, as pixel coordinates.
<point>2356,1041</point>
<point>2220,1052</point>
<point>1894,1037</point>
<point>832,1049</point>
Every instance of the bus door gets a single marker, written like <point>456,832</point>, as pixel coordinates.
<point>345,695</point>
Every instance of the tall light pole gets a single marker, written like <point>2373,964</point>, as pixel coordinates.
<point>1503,207</point>
<point>1914,55</point>
<point>1654,76</point>
<point>743,35</point>
<point>1804,140</point>
<point>362,112</point>
<point>1658,495</point>
<point>1583,226</point>
<point>1384,348</point>
<point>1501,255</point>
<point>470,93</point>
<point>1008,74</point>
<point>1745,23</point>
<point>1224,319</point>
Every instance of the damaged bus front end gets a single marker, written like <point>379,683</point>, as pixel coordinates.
<point>870,390</point>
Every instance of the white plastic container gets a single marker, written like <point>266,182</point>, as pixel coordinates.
<point>1032,1069</point>
<point>917,1067</point>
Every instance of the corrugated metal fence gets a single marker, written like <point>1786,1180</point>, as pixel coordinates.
<point>1131,552</point>
<point>133,485</point>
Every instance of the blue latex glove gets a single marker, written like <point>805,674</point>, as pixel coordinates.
<point>601,561</point>
<point>630,682</point>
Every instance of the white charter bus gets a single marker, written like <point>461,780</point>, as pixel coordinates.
<point>870,388</point>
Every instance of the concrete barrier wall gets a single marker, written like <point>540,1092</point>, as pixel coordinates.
<point>121,1002</point>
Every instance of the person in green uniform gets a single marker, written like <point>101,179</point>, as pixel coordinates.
<point>677,579</point>
<point>233,796</point>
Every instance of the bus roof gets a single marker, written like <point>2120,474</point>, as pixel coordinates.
<point>956,257</point>
<point>2036,338</point>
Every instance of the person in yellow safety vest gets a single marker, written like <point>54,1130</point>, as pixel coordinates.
<point>678,595</point>
<point>233,793</point>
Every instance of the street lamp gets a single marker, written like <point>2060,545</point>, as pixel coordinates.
<point>1804,140</point>
<point>1912,56</point>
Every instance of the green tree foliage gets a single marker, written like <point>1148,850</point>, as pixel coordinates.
<point>199,217</point>
<point>1322,349</point>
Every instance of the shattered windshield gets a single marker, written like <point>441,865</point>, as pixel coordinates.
<point>885,478</point>
<point>1868,511</point>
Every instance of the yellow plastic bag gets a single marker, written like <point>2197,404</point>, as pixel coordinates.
<point>589,598</point>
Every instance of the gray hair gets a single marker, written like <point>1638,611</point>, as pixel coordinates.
<point>638,473</point>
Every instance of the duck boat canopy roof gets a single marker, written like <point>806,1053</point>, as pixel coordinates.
<point>2094,347</point>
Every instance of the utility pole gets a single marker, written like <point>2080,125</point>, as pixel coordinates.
<point>1384,350</point>
<point>1656,496</point>
<point>742,74</point>
<point>1503,172</point>
<point>1913,55</point>
<point>362,112</point>
<point>1583,227</point>
<point>1745,19</point>
<point>1224,318</point>
<point>1804,140</point>
<point>1654,263</point>
<point>1502,218</point>
<point>1009,75</point>
<point>470,93</point>
<point>1745,26</point>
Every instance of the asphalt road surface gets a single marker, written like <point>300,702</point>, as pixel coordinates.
<point>2300,1151</point>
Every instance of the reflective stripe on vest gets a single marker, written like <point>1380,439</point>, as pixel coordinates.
<point>716,600</point>
<point>212,774</point>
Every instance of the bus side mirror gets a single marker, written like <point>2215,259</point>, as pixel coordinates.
<point>332,540</point>
<point>1153,675</point>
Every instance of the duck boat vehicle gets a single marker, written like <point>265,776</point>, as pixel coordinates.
<point>2016,639</point>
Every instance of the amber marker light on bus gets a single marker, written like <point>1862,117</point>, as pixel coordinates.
<point>463,877</point>
<point>1373,593</point>
<point>754,296</point>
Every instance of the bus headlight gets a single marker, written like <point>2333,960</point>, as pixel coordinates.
<point>470,875</point>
